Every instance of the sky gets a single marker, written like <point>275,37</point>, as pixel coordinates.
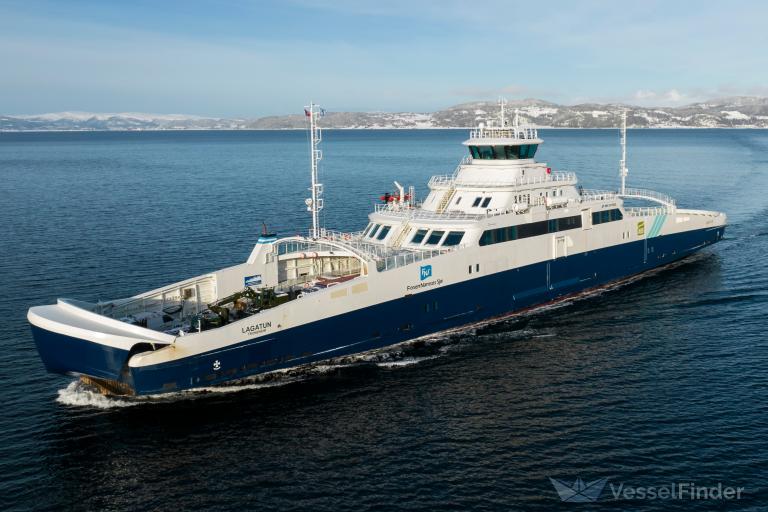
<point>248,58</point>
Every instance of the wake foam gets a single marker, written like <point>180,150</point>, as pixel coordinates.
<point>78,394</point>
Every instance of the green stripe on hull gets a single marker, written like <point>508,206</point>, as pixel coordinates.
<point>658,223</point>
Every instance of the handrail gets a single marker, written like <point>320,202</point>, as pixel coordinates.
<point>407,257</point>
<point>645,211</point>
<point>447,181</point>
<point>667,203</point>
<point>597,195</point>
<point>519,133</point>
<point>385,257</point>
<point>649,195</point>
<point>418,213</point>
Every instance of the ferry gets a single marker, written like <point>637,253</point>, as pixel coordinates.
<point>501,234</point>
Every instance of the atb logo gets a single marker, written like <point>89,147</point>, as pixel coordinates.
<point>579,492</point>
<point>217,365</point>
<point>426,272</point>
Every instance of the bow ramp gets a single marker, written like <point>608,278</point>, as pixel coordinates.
<point>73,339</point>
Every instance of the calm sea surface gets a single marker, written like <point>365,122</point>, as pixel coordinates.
<point>660,381</point>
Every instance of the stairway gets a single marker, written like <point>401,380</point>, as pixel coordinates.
<point>403,233</point>
<point>446,200</point>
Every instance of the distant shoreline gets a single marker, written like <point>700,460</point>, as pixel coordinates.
<point>176,130</point>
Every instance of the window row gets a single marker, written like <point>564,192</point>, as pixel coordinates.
<point>503,152</point>
<point>509,233</point>
<point>606,216</point>
<point>482,202</point>
<point>451,239</point>
<point>378,231</point>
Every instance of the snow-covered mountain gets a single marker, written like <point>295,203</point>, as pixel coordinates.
<point>741,112</point>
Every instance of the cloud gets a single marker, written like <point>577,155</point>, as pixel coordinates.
<point>675,97</point>
<point>669,97</point>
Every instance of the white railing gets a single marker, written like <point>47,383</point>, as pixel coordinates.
<point>385,257</point>
<point>667,203</point>
<point>597,195</point>
<point>649,211</point>
<point>339,236</point>
<point>442,181</point>
<point>649,195</point>
<point>406,258</point>
<point>520,133</point>
<point>418,213</point>
<point>448,181</point>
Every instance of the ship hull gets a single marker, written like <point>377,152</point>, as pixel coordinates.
<point>71,355</point>
<point>421,314</point>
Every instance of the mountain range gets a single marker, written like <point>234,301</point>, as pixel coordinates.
<point>734,112</point>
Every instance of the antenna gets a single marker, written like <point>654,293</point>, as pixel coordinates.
<point>314,203</point>
<point>502,103</point>
<point>623,171</point>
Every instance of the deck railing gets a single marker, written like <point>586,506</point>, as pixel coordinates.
<point>649,195</point>
<point>520,133</point>
<point>385,257</point>
<point>406,258</point>
<point>448,181</point>
<point>418,213</point>
<point>646,211</point>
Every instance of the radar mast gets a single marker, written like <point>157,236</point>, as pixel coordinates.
<point>623,171</point>
<point>314,203</point>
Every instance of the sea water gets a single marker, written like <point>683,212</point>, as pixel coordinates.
<point>658,381</point>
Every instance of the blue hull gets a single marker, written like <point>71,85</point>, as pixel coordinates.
<point>68,355</point>
<point>384,324</point>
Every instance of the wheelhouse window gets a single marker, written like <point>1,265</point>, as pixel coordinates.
<point>453,238</point>
<point>486,201</point>
<point>523,151</point>
<point>373,231</point>
<point>367,228</point>
<point>383,233</point>
<point>419,236</point>
<point>434,237</point>
<point>477,202</point>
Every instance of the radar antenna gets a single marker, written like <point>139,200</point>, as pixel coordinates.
<point>314,203</point>
<point>623,171</point>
